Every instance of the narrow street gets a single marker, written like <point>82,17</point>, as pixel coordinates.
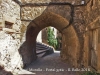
<point>49,65</point>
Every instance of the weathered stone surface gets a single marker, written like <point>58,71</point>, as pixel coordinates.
<point>48,1</point>
<point>83,16</point>
<point>1,23</point>
<point>9,44</point>
<point>9,52</point>
<point>29,13</point>
<point>57,22</point>
<point>23,31</point>
<point>35,1</point>
<point>7,30</point>
<point>75,38</point>
<point>8,8</point>
<point>9,19</point>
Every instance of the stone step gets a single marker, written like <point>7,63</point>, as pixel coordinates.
<point>39,43</point>
<point>43,48</point>
<point>40,52</point>
<point>43,45</point>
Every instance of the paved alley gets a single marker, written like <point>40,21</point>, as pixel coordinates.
<point>49,65</point>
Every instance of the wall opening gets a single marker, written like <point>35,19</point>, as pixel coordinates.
<point>48,41</point>
<point>50,36</point>
<point>8,25</point>
<point>70,42</point>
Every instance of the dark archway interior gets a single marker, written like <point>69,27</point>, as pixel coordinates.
<point>69,38</point>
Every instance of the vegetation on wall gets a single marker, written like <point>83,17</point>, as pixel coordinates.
<point>51,38</point>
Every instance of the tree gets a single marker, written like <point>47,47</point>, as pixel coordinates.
<point>51,38</point>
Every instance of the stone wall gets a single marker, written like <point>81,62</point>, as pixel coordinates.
<point>29,13</point>
<point>10,25</point>
<point>48,1</point>
<point>16,29</point>
<point>86,20</point>
<point>82,17</point>
<point>44,36</point>
<point>70,47</point>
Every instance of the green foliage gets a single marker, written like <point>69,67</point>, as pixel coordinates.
<point>90,73</point>
<point>51,38</point>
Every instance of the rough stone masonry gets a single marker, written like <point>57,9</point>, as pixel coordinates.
<point>77,21</point>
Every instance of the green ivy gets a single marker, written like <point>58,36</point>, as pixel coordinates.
<point>51,38</point>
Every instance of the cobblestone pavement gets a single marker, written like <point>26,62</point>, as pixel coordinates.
<point>49,65</point>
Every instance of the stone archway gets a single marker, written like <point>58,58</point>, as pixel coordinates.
<point>70,47</point>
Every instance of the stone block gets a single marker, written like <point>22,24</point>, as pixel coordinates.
<point>16,28</point>
<point>9,31</point>
<point>0,1</point>
<point>9,19</point>
<point>32,12</point>
<point>18,36</point>
<point>1,24</point>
